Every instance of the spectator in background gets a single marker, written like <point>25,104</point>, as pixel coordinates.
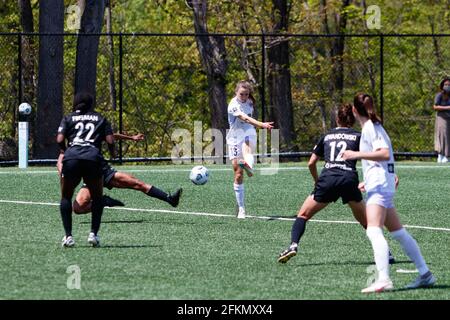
<point>442,126</point>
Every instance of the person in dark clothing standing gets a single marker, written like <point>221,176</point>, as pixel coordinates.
<point>85,130</point>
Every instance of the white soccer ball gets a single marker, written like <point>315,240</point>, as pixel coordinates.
<point>24,109</point>
<point>199,175</point>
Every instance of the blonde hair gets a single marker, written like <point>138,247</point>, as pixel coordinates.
<point>248,86</point>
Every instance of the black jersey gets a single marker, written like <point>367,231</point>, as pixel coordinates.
<point>84,133</point>
<point>333,144</point>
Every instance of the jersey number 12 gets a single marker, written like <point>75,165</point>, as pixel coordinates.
<point>342,145</point>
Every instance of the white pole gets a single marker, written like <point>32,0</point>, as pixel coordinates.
<point>23,144</point>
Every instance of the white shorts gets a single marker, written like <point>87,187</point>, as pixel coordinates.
<point>235,150</point>
<point>383,199</point>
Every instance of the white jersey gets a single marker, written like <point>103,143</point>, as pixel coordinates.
<point>239,129</point>
<point>379,176</point>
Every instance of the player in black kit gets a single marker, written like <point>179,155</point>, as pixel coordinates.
<point>85,130</point>
<point>338,179</point>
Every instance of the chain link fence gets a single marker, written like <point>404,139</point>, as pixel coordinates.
<point>154,84</point>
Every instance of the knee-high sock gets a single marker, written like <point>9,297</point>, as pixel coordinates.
<point>411,249</point>
<point>157,193</point>
<point>239,192</point>
<point>97,211</point>
<point>380,251</point>
<point>298,228</point>
<point>65,207</point>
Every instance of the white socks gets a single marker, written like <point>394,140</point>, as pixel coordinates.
<point>239,192</point>
<point>380,251</point>
<point>410,247</point>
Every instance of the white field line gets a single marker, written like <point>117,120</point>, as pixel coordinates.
<point>218,169</point>
<point>216,214</point>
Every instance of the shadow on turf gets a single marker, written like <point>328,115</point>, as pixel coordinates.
<point>354,263</point>
<point>119,246</point>
<point>425,288</point>
<point>116,221</point>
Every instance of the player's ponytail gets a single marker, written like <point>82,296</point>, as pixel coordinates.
<point>83,102</point>
<point>345,117</point>
<point>364,105</point>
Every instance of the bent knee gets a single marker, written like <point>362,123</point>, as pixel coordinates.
<point>80,208</point>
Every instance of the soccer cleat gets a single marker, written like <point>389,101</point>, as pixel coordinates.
<point>391,258</point>
<point>423,281</point>
<point>241,213</point>
<point>94,240</point>
<point>244,165</point>
<point>68,242</point>
<point>175,198</point>
<point>110,202</point>
<point>379,286</point>
<point>287,254</point>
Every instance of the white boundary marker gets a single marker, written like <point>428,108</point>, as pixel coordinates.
<point>217,214</point>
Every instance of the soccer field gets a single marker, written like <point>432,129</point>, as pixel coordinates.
<point>199,250</point>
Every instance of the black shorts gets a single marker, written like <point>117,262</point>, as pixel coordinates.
<point>331,187</point>
<point>76,169</point>
<point>108,174</point>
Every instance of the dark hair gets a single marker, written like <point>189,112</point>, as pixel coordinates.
<point>441,85</point>
<point>365,106</point>
<point>83,102</point>
<point>345,117</point>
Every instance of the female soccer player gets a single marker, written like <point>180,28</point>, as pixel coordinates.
<point>241,138</point>
<point>84,130</point>
<point>116,179</point>
<point>379,182</point>
<point>338,179</point>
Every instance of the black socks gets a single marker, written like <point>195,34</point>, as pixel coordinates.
<point>297,229</point>
<point>159,194</point>
<point>65,208</point>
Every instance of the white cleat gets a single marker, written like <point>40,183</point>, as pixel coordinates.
<point>379,286</point>
<point>241,213</point>
<point>67,242</point>
<point>94,240</point>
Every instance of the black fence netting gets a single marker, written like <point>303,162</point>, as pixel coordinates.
<point>156,84</point>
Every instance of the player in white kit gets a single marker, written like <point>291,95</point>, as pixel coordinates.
<point>241,138</point>
<point>375,151</point>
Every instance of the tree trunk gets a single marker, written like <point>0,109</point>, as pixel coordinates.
<point>112,81</point>
<point>50,82</point>
<point>280,77</point>
<point>87,46</point>
<point>28,54</point>
<point>337,52</point>
<point>213,55</point>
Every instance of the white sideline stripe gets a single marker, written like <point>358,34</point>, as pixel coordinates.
<point>222,169</point>
<point>217,214</point>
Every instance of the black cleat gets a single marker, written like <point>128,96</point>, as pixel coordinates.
<point>287,254</point>
<point>174,199</point>
<point>110,202</point>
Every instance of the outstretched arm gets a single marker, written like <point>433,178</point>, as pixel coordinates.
<point>381,154</point>
<point>256,123</point>
<point>136,137</point>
